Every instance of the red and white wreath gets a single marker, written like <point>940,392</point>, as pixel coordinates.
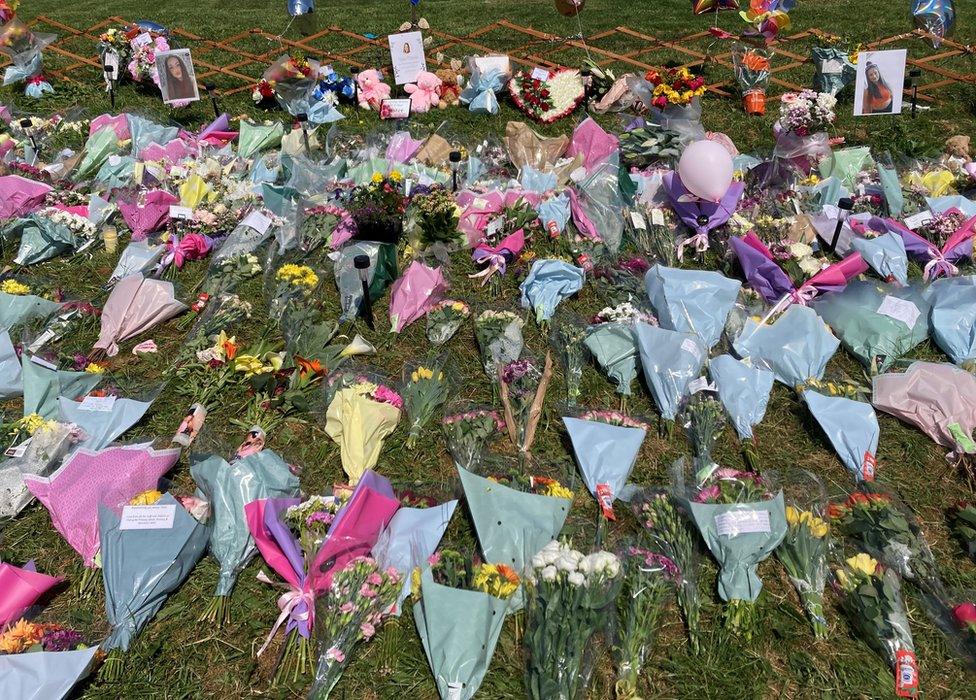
<point>547,97</point>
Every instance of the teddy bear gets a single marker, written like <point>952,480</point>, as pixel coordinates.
<point>372,89</point>
<point>452,78</point>
<point>957,146</point>
<point>424,93</point>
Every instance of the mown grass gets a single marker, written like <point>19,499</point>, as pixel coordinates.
<point>177,656</point>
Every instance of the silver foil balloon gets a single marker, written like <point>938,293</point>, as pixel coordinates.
<point>297,8</point>
<point>936,17</point>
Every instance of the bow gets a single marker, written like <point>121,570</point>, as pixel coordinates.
<point>939,266</point>
<point>699,242</point>
<point>287,603</point>
<point>494,261</point>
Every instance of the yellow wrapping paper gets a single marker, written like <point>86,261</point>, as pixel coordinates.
<point>359,425</point>
<point>937,183</point>
<point>194,191</point>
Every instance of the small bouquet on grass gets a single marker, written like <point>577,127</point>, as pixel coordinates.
<point>610,340</point>
<point>668,532</point>
<point>294,284</point>
<point>742,522</point>
<point>432,220</point>
<point>452,588</point>
<point>705,422</point>
<point>229,487</point>
<point>42,660</point>
<point>468,433</point>
<point>964,525</point>
<point>806,112</point>
<point>871,596</point>
<point>567,597</point>
<point>499,336</point>
<point>425,389</point>
<point>362,411</point>
<point>357,603</point>
<point>377,208</point>
<point>325,225</point>
<point>444,319</point>
<point>568,340</point>
<point>674,87</point>
<point>523,392</point>
<point>229,272</point>
<point>751,68</point>
<point>649,583</point>
<point>804,553</point>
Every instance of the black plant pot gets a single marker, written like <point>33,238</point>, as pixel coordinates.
<point>387,231</point>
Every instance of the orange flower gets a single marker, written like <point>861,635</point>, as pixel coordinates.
<point>508,574</point>
<point>22,636</point>
<point>229,349</point>
<point>834,511</point>
<point>309,367</point>
<point>754,61</point>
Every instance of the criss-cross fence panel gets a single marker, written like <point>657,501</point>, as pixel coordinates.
<point>235,63</point>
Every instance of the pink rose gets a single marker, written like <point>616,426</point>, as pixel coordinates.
<point>965,614</point>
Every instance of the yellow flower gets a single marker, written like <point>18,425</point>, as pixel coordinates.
<point>377,178</point>
<point>862,563</point>
<point>248,364</point>
<point>792,515</point>
<point>421,373</point>
<point>415,583</point>
<point>14,287</point>
<point>94,368</point>
<point>556,490</point>
<point>395,176</point>
<point>297,275</point>
<point>146,498</point>
<point>31,423</point>
<point>818,527</point>
<point>496,580</point>
<point>22,636</point>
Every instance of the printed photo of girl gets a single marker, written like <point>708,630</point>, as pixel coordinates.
<point>177,79</point>
<point>880,82</point>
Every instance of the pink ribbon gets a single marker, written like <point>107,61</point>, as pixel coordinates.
<point>938,266</point>
<point>287,602</point>
<point>699,242</point>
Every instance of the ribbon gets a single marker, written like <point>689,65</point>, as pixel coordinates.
<point>287,602</point>
<point>496,262</point>
<point>938,266</point>
<point>699,242</point>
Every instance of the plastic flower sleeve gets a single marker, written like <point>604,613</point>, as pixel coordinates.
<point>795,348</point>
<point>743,390</point>
<point>98,148</point>
<point>459,654</point>
<point>145,132</point>
<point>229,487</point>
<point>834,70</point>
<point>11,379</point>
<point>606,455</point>
<point>691,301</point>
<point>937,398</point>
<point>359,419</point>
<point>739,536</point>
<point>593,144</point>
<point>135,305</point>
<point>44,384</point>
<point>16,309</point>
<point>381,272</point>
<point>597,206</point>
<point>44,675</point>
<point>22,588</point>
<point>953,317</point>
<point>255,138</point>
<point>955,616</point>
<point>852,428</point>
<point>41,239</point>
<point>412,535</point>
<point>141,568</point>
<point>670,361</point>
<point>876,323</point>
<point>43,453</point>
<point>512,526</point>
<point>414,293</point>
<point>102,421</point>
<point>548,283</point>
<point>886,255</point>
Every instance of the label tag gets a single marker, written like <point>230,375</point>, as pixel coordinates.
<point>906,673</point>
<point>700,384</point>
<point>176,212</point>
<point>553,229</point>
<point>454,690</point>
<point>19,450</point>
<point>919,220</point>
<point>148,517</point>
<point>604,497</point>
<point>742,522</point>
<point>868,466</point>
<point>638,220</point>
<point>900,310</point>
<point>114,160</point>
<point>657,217</point>
<point>102,404</point>
<point>831,66</point>
<point>43,363</point>
<point>142,39</point>
<point>258,221</point>
<point>495,226</point>
<point>540,74</point>
<point>691,347</point>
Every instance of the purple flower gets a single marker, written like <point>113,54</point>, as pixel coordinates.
<point>61,640</point>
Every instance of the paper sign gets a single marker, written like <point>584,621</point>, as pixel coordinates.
<point>407,56</point>
<point>395,109</point>
<point>742,522</point>
<point>43,363</point>
<point>110,65</point>
<point>900,310</point>
<point>142,39</point>
<point>176,212</point>
<point>495,226</point>
<point>19,450</point>
<point>540,74</point>
<point>258,221</point>
<point>700,384</point>
<point>657,217</point>
<point>690,347</point>
<point>638,220</point>
<point>102,404</point>
<point>832,66</point>
<point>148,517</point>
<point>918,220</point>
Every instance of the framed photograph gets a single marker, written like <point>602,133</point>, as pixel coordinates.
<point>407,56</point>
<point>177,79</point>
<point>395,109</point>
<point>880,82</point>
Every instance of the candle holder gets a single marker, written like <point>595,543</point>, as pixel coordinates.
<point>455,159</point>
<point>361,263</point>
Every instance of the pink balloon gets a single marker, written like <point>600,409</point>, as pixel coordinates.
<point>706,170</point>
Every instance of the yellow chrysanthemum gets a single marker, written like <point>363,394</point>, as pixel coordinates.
<point>31,423</point>
<point>377,178</point>
<point>94,368</point>
<point>556,490</point>
<point>396,176</point>
<point>14,287</point>
<point>297,275</point>
<point>146,498</point>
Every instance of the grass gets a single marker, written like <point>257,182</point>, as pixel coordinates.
<point>176,656</point>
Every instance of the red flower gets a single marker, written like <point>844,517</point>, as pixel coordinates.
<point>965,614</point>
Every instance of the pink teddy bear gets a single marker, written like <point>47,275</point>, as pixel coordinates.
<point>425,93</point>
<point>372,89</point>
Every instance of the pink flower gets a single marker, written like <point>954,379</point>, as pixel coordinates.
<point>385,394</point>
<point>965,614</point>
<point>708,493</point>
<point>367,630</point>
<point>374,579</point>
<point>367,592</point>
<point>335,654</point>
<point>434,559</point>
<point>193,246</point>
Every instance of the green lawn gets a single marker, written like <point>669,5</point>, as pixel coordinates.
<point>177,656</point>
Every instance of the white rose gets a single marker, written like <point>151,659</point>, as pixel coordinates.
<point>800,250</point>
<point>576,579</point>
<point>810,266</point>
<point>538,562</point>
<point>566,563</point>
<point>549,573</point>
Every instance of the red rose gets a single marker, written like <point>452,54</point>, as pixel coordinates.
<point>545,108</point>
<point>965,614</point>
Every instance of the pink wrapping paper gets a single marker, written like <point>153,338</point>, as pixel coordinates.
<point>89,478</point>
<point>592,143</point>
<point>20,196</point>
<point>151,216</point>
<point>78,210</point>
<point>172,153</point>
<point>416,291</point>
<point>478,209</point>
<point>119,123</point>
<point>20,589</point>
<point>136,304</point>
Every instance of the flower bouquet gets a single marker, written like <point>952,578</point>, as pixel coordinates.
<point>742,522</point>
<point>801,137</point>
<point>568,340</point>
<point>964,525</point>
<point>668,532</point>
<point>377,208</point>
<point>42,660</point>
<point>871,596</point>
<point>744,392</point>
<point>432,221</point>
<point>452,588</point>
<point>142,64</point>
<point>293,284</point>
<point>444,319</point>
<point>362,412</point>
<point>499,336</point>
<point>567,598</point>
<point>671,97</point>
<point>804,553</point>
<point>324,224</point>
<point>468,433</point>
<point>22,588</point>
<point>751,68</point>
<point>547,98</point>
<point>425,389</point>
<point>523,391</point>
<point>360,599</point>
<point>649,583</point>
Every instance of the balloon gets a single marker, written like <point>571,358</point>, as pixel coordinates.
<point>706,169</point>
<point>570,8</point>
<point>297,8</point>
<point>936,17</point>
<point>700,7</point>
<point>154,27</point>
